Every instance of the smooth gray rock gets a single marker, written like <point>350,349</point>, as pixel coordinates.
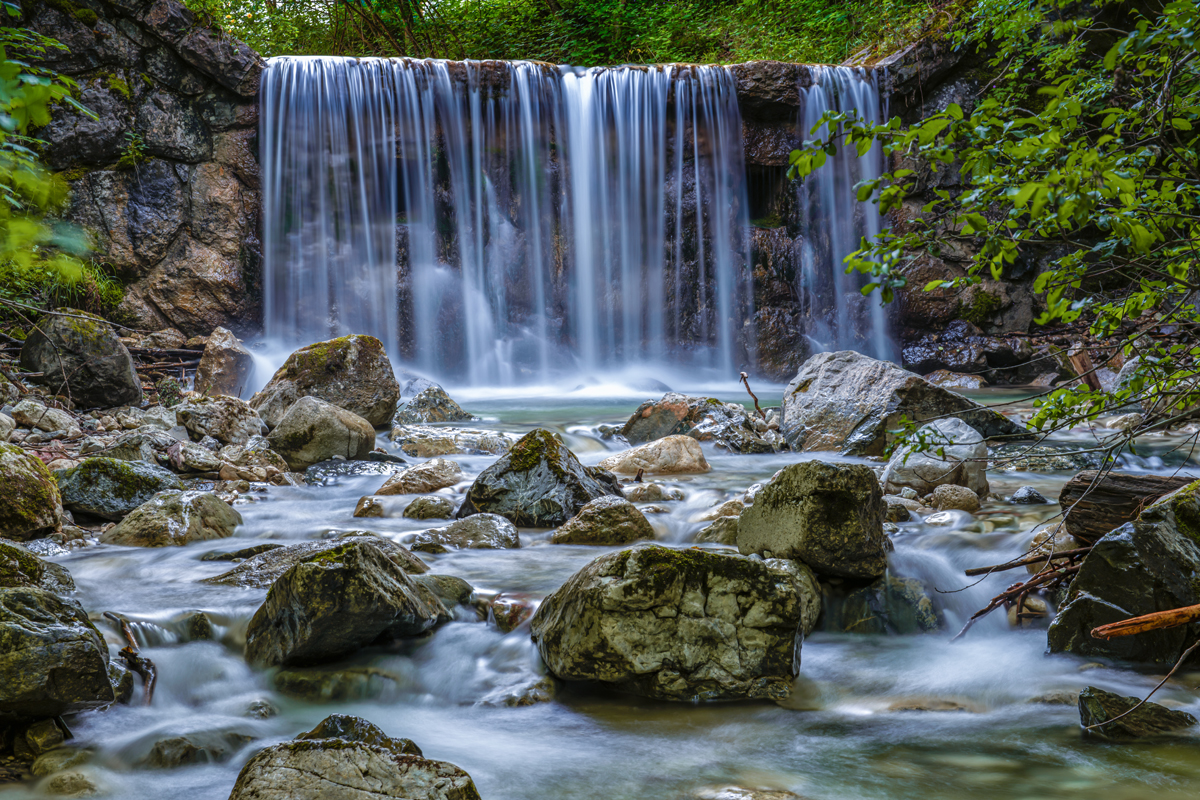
<point>429,508</point>
<point>175,519</point>
<point>476,532</point>
<point>313,431</point>
<point>110,488</point>
<point>1097,707</point>
<point>954,453</point>
<point>607,520</point>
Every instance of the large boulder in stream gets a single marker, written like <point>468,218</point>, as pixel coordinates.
<point>703,418</point>
<point>348,758</point>
<point>110,488</point>
<point>262,567</point>
<point>82,353</point>
<point>848,402</point>
<point>682,625</point>
<point>830,516</point>
<point>30,503</point>
<point>538,483</point>
<point>671,455</point>
<point>1150,564</point>
<point>1101,708</point>
<point>175,519</point>
<point>335,602</point>
<point>226,419</point>
<point>53,659</point>
<point>313,431</point>
<point>352,372</point>
<point>946,451</point>
<point>606,521</point>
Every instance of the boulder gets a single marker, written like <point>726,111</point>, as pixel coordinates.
<point>431,404</point>
<point>226,419</point>
<point>848,402</point>
<point>30,503</point>
<point>807,585</point>
<point>1150,564</point>
<point>672,455</point>
<point>890,604</point>
<point>352,372</point>
<point>830,516</point>
<point>7,426</point>
<point>674,625</point>
<point>426,441</point>
<point>476,532</point>
<point>953,453</point>
<point>356,761</point>
<point>175,519</point>
<point>110,488</point>
<point>335,602</point>
<point>730,425</point>
<point>263,568</point>
<point>538,483</point>
<point>81,352</point>
<point>429,508</point>
<point>434,474</point>
<point>144,444</point>
<point>19,567</point>
<point>723,530</point>
<point>1097,707</point>
<point>313,431</point>
<point>53,659</point>
<point>1096,504</point>
<point>225,367</point>
<point>949,497</point>
<point>33,414</point>
<point>607,520</point>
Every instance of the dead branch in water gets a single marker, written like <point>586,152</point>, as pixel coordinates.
<point>1025,562</point>
<point>139,664</point>
<point>1156,621</point>
<point>1017,593</point>
<point>1146,699</point>
<point>746,381</point>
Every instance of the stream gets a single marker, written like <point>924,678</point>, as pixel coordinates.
<point>857,726</point>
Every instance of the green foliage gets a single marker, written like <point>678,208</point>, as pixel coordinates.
<point>1083,155</point>
<point>579,32</point>
<point>134,152</point>
<point>170,392</point>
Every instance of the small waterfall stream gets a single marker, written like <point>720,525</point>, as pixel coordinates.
<point>500,223</point>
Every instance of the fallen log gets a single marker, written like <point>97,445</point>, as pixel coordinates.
<point>1116,498</point>
<point>1155,621</point>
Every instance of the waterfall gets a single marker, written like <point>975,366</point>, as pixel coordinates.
<point>833,222</point>
<point>507,222</point>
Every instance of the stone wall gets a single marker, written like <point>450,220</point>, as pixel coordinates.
<point>166,180</point>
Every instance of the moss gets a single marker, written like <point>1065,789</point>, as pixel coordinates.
<point>18,567</point>
<point>120,478</point>
<point>74,173</point>
<point>535,447</point>
<point>118,85</point>
<point>329,356</point>
<point>30,494</point>
<point>981,307</point>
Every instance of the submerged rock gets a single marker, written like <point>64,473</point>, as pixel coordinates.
<point>1150,564</point>
<point>225,366</point>
<point>675,625</point>
<point>954,453</point>
<point>1097,706</point>
<point>175,519</point>
<point>313,431</point>
<point>335,602</point>
<point>889,605</point>
<point>331,685</point>
<point>431,404</point>
<point>422,441</point>
<point>476,532</point>
<point>53,659</point>
<point>30,503</point>
<point>351,372</point>
<point>538,483</point>
<point>110,488</point>
<point>82,353</point>
<point>672,455</point>
<point>266,566</point>
<point>703,418</point>
<point>207,747</point>
<point>830,516</point>
<point>849,402</point>
<point>607,520</point>
<point>435,474</point>
<point>1028,457</point>
<point>226,419</point>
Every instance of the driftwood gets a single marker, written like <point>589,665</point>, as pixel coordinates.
<point>1148,622</point>
<point>1042,558</point>
<point>143,666</point>
<point>1115,499</point>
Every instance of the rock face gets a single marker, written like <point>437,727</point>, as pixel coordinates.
<point>431,404</point>
<point>538,483</point>
<point>111,488</point>
<point>264,568</point>
<point>225,367</point>
<point>671,455</point>
<point>30,503</point>
<point>1097,706</point>
<point>674,625</point>
<point>848,402</point>
<point>226,419</point>
<point>830,516</point>
<point>175,518</point>
<point>1150,564</point>
<point>704,419</point>
<point>954,454</point>
<point>434,474</point>
<point>82,353</point>
<point>476,532</point>
<point>347,758</point>
<point>53,660</point>
<point>352,372</point>
<point>335,602</point>
<point>606,520</point>
<point>313,431</point>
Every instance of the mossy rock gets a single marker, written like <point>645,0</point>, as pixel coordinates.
<point>1098,707</point>
<point>19,567</point>
<point>607,520</point>
<point>82,353</point>
<point>264,568</point>
<point>357,729</point>
<point>110,488</point>
<point>30,503</point>
<point>175,519</point>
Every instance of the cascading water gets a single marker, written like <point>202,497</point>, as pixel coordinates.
<point>523,219</point>
<point>833,222</point>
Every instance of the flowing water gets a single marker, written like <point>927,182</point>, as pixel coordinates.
<point>842,736</point>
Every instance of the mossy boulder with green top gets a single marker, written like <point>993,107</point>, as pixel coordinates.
<point>110,488</point>
<point>681,625</point>
<point>175,519</point>
<point>538,483</point>
<point>30,503</point>
<point>79,354</point>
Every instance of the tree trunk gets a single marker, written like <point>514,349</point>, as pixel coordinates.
<point>1116,499</point>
